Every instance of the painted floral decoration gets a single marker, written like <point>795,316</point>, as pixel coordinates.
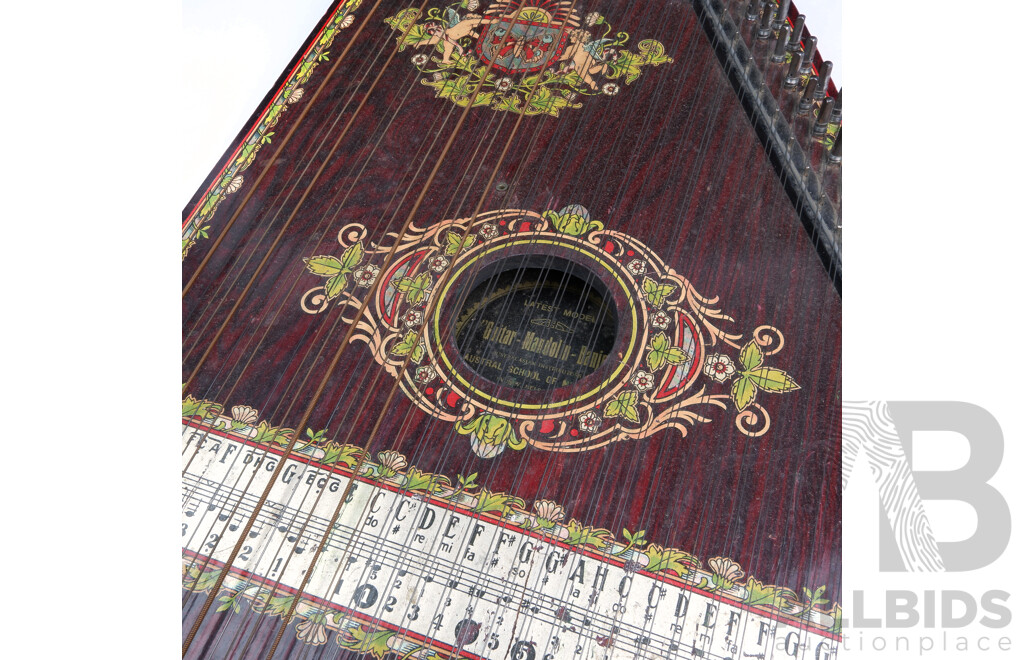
<point>660,319</point>
<point>726,572</point>
<point>589,421</point>
<point>391,463</point>
<point>637,267</point>
<point>719,367</point>
<point>489,435</point>
<point>437,263</point>
<point>548,512</point>
<point>642,380</point>
<point>312,630</point>
<point>425,374</point>
<point>244,415</point>
<point>488,231</point>
<point>366,275</point>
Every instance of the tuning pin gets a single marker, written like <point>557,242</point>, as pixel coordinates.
<point>780,17</point>
<point>753,9</point>
<point>798,33</point>
<point>824,116</point>
<point>808,60</point>
<point>837,112</point>
<point>793,74</point>
<point>780,45</point>
<point>807,100</point>
<point>823,76</point>
<point>835,154</point>
<point>767,15</point>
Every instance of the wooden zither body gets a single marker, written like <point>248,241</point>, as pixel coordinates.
<point>509,331</point>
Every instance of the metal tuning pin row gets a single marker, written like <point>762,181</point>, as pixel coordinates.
<point>780,74</point>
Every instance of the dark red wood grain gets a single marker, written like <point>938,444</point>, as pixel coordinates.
<point>672,159</point>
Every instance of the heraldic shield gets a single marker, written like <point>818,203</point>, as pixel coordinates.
<point>522,41</point>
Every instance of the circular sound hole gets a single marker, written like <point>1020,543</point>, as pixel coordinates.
<point>536,328</point>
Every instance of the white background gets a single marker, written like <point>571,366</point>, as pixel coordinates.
<point>96,115</point>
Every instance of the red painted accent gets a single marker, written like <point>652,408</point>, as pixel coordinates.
<point>453,399</point>
<point>574,433</point>
<point>429,391</point>
<point>608,247</point>
<point>547,426</point>
<point>525,226</point>
<point>413,260</point>
<point>630,253</point>
<point>695,363</point>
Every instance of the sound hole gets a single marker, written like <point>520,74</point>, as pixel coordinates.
<point>537,328</point>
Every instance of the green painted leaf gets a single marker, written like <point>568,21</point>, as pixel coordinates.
<point>676,355</point>
<point>624,406</point>
<point>743,392</point>
<point>658,353</point>
<point>580,535</point>
<point>352,256</point>
<point>772,380</point>
<point>336,285</point>
<point>759,593</point>
<point>453,242</point>
<point>656,293</point>
<point>192,407</point>
<point>324,265</point>
<point>407,344</point>
<point>751,356</point>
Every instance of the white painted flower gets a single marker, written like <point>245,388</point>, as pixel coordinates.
<point>347,21</point>
<point>548,510</point>
<point>366,275</point>
<point>391,462</point>
<point>413,317</point>
<point>425,374</point>
<point>637,267</point>
<point>312,631</point>
<point>473,5</point>
<point>235,184</point>
<point>245,415</point>
<point>488,231</point>
<point>437,263</point>
<point>438,75</point>
<point>642,380</point>
<point>420,59</point>
<point>589,421</point>
<point>726,568</point>
<point>503,84</point>
<point>592,18</point>
<point>611,89</point>
<point>719,367</point>
<point>660,319</point>
<point>296,96</point>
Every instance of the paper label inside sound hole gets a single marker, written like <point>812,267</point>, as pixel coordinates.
<point>536,328</point>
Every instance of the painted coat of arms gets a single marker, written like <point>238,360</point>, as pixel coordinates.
<point>529,56</point>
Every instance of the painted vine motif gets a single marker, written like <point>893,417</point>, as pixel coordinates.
<point>231,180</point>
<point>672,331</point>
<point>317,624</point>
<point>542,56</point>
